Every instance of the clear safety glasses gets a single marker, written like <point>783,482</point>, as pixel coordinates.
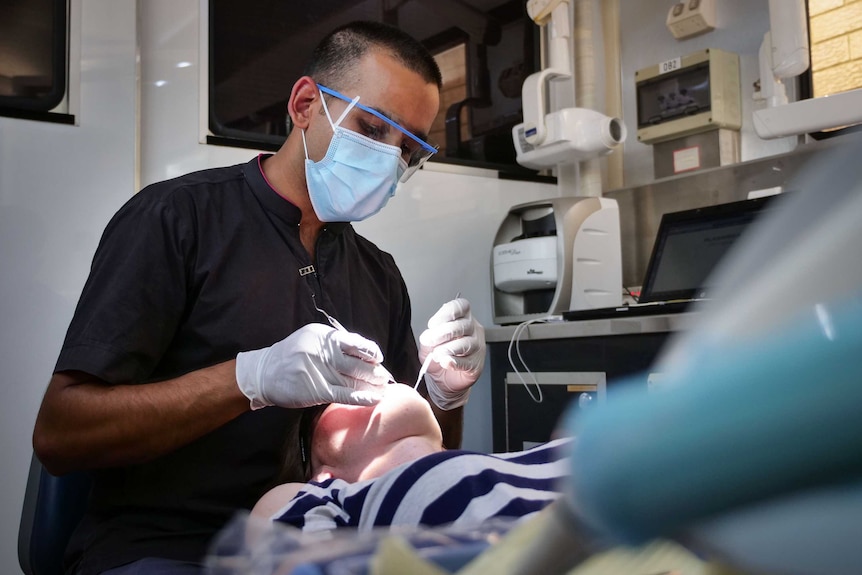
<point>368,122</point>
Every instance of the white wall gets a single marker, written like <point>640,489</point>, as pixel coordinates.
<point>59,185</point>
<point>646,41</point>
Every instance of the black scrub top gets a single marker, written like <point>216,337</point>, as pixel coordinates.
<point>188,273</point>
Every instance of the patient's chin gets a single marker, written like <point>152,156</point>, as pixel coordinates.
<point>354,436</point>
<point>402,401</point>
<point>400,391</point>
<point>395,395</point>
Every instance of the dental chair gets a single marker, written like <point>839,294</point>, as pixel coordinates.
<point>753,461</point>
<point>749,451</point>
<point>53,507</point>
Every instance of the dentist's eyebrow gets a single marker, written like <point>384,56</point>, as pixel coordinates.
<point>418,133</point>
<point>410,131</point>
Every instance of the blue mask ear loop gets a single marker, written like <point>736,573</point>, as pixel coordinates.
<point>328,117</point>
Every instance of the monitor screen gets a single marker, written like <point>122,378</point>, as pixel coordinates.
<point>690,244</point>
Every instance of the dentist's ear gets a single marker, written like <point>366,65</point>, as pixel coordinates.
<point>301,104</point>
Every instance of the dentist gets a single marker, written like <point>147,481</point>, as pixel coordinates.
<point>198,337</point>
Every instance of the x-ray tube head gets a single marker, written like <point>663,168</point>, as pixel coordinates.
<point>573,135</point>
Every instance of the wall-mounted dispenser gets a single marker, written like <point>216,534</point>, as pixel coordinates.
<point>554,255</point>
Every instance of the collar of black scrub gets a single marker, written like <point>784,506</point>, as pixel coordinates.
<point>273,202</point>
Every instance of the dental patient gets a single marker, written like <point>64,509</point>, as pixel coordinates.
<point>371,466</point>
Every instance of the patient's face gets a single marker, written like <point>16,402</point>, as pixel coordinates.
<point>360,442</point>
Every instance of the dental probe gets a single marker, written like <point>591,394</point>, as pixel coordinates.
<point>424,368</point>
<point>332,321</point>
<point>337,325</point>
<point>428,359</point>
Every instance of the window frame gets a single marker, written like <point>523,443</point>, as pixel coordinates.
<point>44,108</point>
<point>214,132</point>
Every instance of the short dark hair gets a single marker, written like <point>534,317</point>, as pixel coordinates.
<point>335,58</point>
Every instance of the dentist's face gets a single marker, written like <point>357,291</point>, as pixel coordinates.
<point>360,442</point>
<point>387,86</point>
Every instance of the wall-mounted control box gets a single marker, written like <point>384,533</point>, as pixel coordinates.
<point>688,95</point>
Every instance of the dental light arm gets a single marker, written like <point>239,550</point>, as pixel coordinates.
<point>788,37</point>
<point>784,50</point>
<point>784,54</point>
<point>547,138</point>
<point>555,15</point>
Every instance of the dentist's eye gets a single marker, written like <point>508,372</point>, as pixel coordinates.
<point>374,131</point>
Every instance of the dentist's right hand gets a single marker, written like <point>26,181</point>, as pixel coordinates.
<point>316,364</point>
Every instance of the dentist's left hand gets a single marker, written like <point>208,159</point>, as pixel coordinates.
<point>316,364</point>
<point>457,344</point>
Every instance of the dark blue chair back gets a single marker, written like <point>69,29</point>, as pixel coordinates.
<point>53,507</point>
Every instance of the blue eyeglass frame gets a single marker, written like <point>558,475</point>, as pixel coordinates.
<point>428,147</point>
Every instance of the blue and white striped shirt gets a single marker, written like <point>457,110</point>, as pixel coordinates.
<point>456,487</point>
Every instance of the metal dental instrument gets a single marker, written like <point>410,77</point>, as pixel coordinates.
<point>337,325</point>
<point>428,359</point>
<point>332,321</point>
<point>424,368</point>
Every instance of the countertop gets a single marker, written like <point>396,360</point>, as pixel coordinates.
<point>593,328</point>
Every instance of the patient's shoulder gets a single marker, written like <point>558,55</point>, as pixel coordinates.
<point>275,499</point>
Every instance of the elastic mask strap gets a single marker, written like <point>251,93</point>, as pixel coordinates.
<point>304,145</point>
<point>328,117</point>
<point>343,114</point>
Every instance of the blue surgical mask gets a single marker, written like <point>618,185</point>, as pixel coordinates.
<point>355,178</point>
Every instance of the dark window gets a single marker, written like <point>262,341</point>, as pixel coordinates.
<point>33,55</point>
<point>485,50</point>
<point>675,95</point>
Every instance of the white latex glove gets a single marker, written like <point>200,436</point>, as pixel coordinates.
<point>316,364</point>
<point>456,342</point>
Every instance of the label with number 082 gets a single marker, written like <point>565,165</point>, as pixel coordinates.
<point>670,65</point>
